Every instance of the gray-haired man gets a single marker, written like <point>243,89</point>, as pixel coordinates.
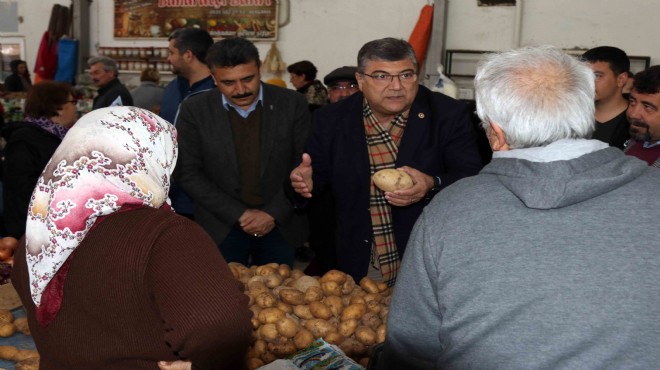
<point>112,92</point>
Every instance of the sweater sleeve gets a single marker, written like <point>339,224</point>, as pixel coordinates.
<point>205,314</point>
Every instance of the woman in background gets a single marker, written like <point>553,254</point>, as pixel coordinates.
<point>303,78</point>
<point>50,110</point>
<point>110,276</point>
<point>19,79</point>
<point>148,95</point>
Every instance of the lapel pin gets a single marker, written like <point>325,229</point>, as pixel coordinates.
<point>421,115</point>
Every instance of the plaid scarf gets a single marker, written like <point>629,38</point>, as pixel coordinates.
<point>383,145</point>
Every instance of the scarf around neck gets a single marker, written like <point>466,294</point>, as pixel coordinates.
<point>48,125</point>
<point>112,158</point>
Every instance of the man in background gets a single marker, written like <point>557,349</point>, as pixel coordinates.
<point>237,145</point>
<point>341,83</point>
<point>548,259</point>
<point>610,66</point>
<point>644,117</point>
<point>187,53</point>
<point>112,92</point>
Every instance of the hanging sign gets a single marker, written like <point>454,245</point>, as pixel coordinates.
<point>252,19</point>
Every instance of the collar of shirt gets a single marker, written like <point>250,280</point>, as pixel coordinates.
<point>186,89</point>
<point>244,113</point>
<point>651,144</point>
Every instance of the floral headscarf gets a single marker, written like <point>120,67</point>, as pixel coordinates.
<point>112,158</point>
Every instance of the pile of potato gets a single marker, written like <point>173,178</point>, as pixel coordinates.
<point>292,309</point>
<point>25,359</point>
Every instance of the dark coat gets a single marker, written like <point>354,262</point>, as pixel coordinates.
<point>28,150</point>
<point>207,168</point>
<point>109,93</point>
<point>438,141</point>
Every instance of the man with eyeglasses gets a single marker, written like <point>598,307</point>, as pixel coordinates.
<point>341,83</point>
<point>393,123</point>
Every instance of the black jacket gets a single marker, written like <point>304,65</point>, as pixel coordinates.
<point>109,93</point>
<point>28,150</point>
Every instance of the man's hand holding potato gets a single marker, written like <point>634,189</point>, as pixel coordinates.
<point>301,177</point>
<point>422,183</point>
<point>256,222</point>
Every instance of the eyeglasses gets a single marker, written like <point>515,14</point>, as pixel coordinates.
<point>341,87</point>
<point>384,78</point>
<point>74,101</point>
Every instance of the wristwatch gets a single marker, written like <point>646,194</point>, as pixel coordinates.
<point>435,189</point>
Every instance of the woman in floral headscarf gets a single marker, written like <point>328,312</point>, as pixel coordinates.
<point>110,276</point>
<point>50,110</point>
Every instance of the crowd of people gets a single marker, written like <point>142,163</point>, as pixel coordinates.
<point>542,258</point>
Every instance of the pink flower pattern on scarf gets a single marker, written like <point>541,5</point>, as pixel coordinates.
<point>112,157</point>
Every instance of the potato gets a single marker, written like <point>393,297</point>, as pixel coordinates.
<point>347,328</point>
<point>7,352</point>
<point>335,304</point>
<point>297,274</point>
<point>320,310</point>
<point>369,285</point>
<point>269,333</point>
<point>273,280</point>
<point>23,354</point>
<point>334,275</point>
<point>257,348</point>
<point>348,285</point>
<point>253,363</point>
<point>334,338</point>
<point>382,287</point>
<point>257,285</point>
<point>266,300</point>
<point>365,335</point>
<point>282,349</point>
<point>7,330</point>
<point>364,362</point>
<point>292,296</point>
<point>31,363</point>
<point>245,276</point>
<point>391,179</point>
<point>357,299</point>
<point>255,323</point>
<point>287,327</point>
<point>303,312</point>
<point>266,270</point>
<point>374,306</point>
<point>284,307</point>
<point>313,294</point>
<point>331,288</point>
<point>284,271</point>
<point>381,333</point>
<point>372,297</point>
<point>353,311</point>
<point>318,327</point>
<point>268,357</point>
<point>6,317</point>
<point>352,347</point>
<point>303,338</point>
<point>302,283</point>
<point>270,315</point>
<point>371,320</point>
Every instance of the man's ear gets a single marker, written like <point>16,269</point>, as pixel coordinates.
<point>621,79</point>
<point>496,137</point>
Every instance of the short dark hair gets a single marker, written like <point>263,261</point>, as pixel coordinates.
<point>231,52</point>
<point>197,40</point>
<point>615,57</point>
<point>304,67</point>
<point>388,49</point>
<point>150,74</point>
<point>13,65</point>
<point>647,81</point>
<point>46,98</point>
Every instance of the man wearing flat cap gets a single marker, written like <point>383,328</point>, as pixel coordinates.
<point>341,83</point>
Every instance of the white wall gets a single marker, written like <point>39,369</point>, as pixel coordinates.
<point>330,32</point>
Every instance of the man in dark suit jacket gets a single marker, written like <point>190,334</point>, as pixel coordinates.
<point>237,146</point>
<point>436,148</point>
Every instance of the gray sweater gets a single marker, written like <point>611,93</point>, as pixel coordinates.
<point>532,265</point>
